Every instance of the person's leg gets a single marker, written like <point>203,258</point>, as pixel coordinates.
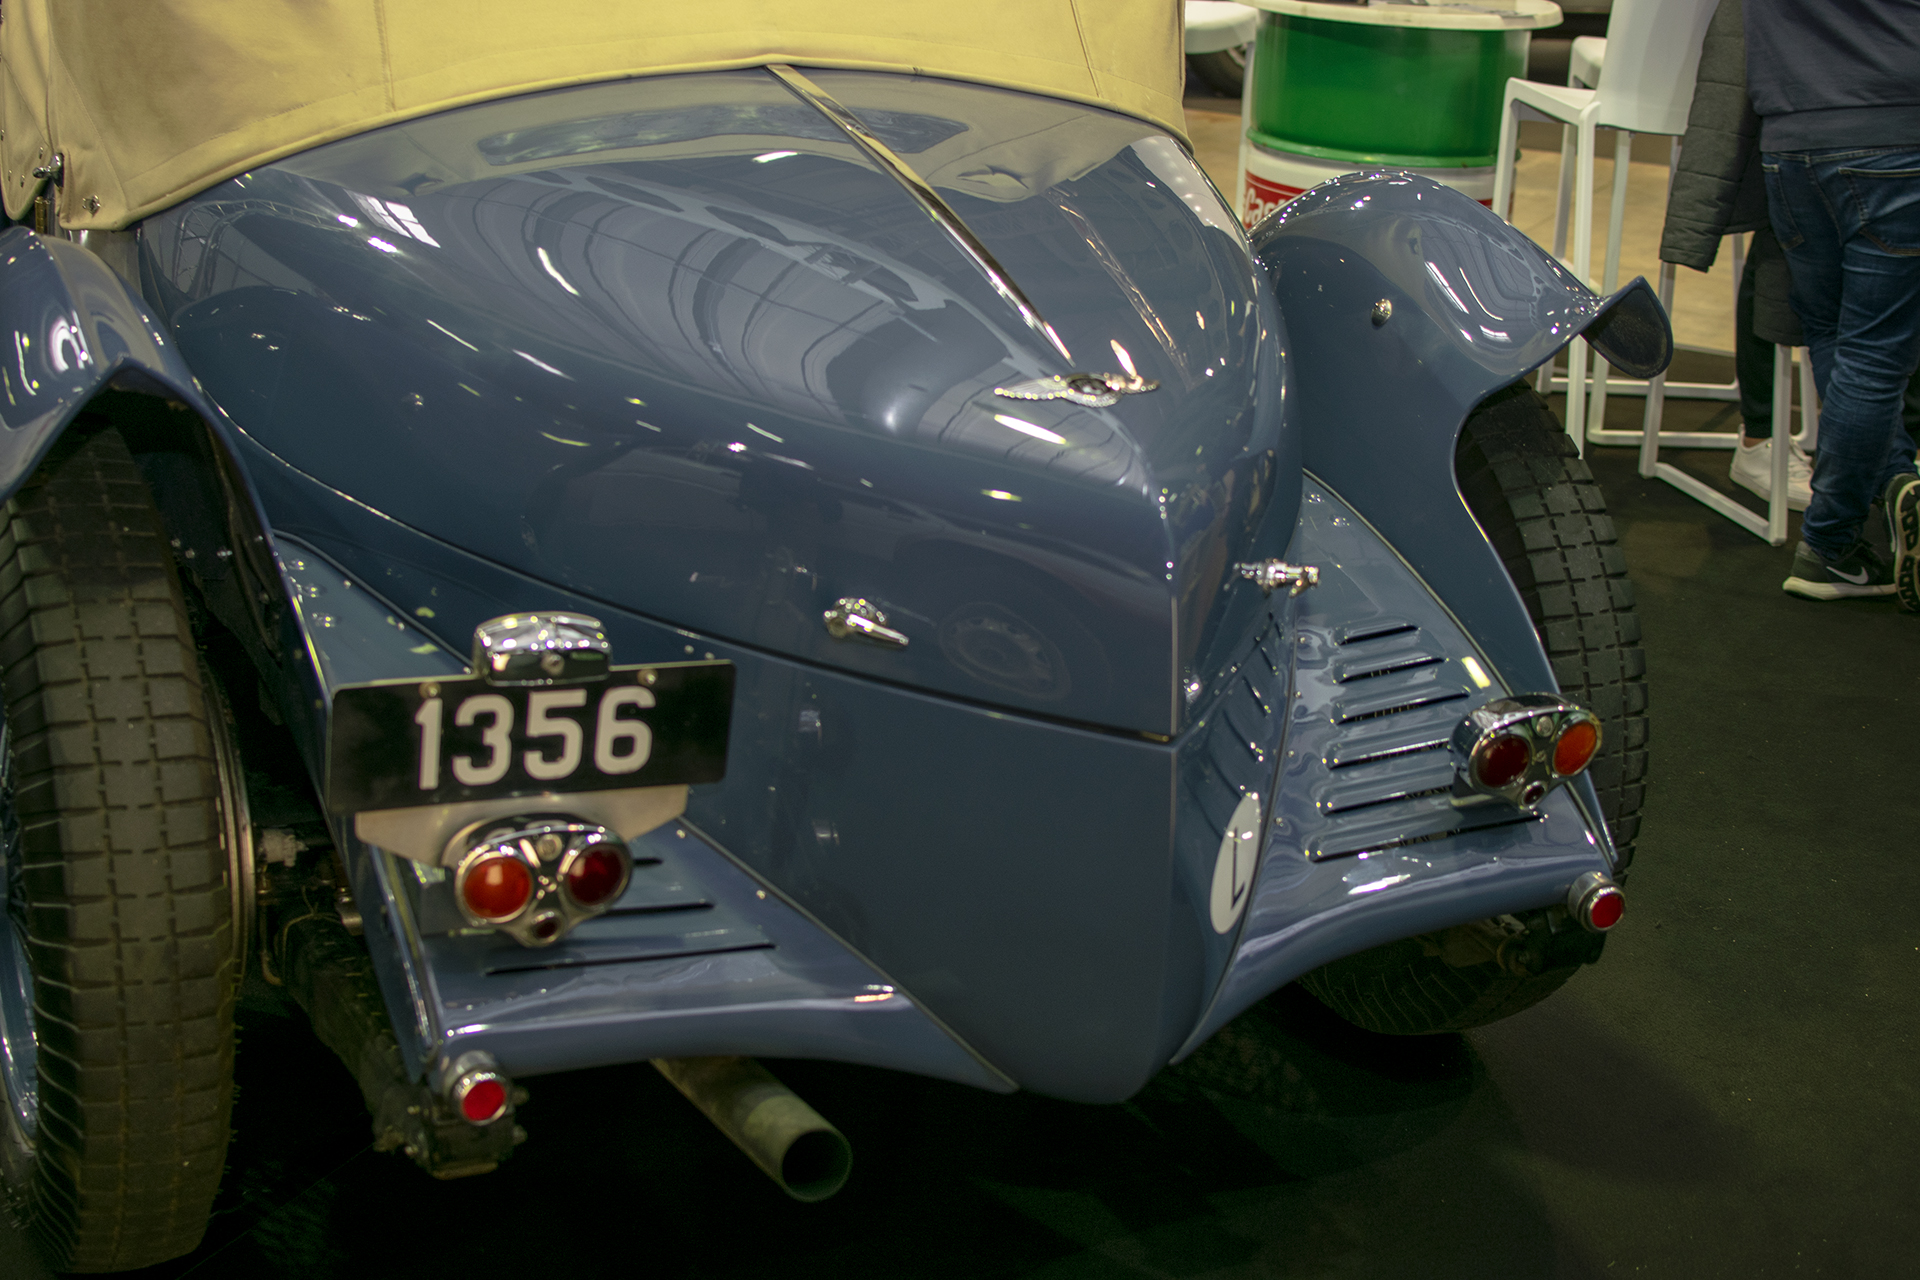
<point>1910,408</point>
<point>1851,230</point>
<point>1751,463</point>
<point>1752,366</point>
<point>1805,229</point>
<point>1909,417</point>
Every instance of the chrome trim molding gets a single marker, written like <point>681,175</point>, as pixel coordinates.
<point>1090,390</point>
<point>937,209</point>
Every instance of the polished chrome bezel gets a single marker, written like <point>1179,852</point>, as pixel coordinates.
<point>547,845</point>
<point>1586,892</point>
<point>1538,719</point>
<point>541,649</point>
<point>466,1085</point>
<point>459,1077</point>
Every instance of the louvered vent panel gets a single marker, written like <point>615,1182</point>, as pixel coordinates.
<point>1387,778</point>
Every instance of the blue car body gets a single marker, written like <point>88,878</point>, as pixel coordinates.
<point>677,354</point>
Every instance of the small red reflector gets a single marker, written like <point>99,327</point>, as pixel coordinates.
<point>1607,908</point>
<point>484,1101</point>
<point>596,874</point>
<point>497,888</point>
<point>1575,747</point>
<point>1503,760</point>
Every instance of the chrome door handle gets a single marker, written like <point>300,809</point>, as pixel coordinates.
<point>852,617</point>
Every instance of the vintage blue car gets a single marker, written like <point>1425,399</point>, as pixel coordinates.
<point>738,536</point>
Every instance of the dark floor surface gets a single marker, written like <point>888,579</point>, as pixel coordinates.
<point>1730,1092</point>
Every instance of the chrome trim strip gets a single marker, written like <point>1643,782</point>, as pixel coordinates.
<point>937,209</point>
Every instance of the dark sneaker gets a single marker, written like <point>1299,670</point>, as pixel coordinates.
<point>1858,573</point>
<point>1903,532</point>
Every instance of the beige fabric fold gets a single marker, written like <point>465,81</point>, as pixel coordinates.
<point>150,101</point>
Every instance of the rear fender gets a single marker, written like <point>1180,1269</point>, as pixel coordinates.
<point>79,342</point>
<point>1407,304</point>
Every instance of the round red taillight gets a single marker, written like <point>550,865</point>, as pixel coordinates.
<point>1575,748</point>
<point>497,887</point>
<point>1605,910</point>
<point>483,1101</point>
<point>596,874</point>
<point>1501,761</point>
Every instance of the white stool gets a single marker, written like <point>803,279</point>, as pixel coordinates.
<point>1589,55</point>
<point>1214,25</point>
<point>1645,86</point>
<point>1774,528</point>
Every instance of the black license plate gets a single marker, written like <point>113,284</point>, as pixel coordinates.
<point>402,743</point>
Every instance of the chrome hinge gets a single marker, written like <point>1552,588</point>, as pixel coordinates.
<point>1278,573</point>
<point>852,616</point>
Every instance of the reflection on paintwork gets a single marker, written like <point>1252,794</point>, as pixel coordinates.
<point>635,244</point>
<point>352,635</point>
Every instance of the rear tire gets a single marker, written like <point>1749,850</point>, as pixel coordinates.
<point>1224,72</point>
<point>1545,516</point>
<point>117,889</point>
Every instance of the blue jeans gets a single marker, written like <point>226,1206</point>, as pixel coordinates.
<point>1849,220</point>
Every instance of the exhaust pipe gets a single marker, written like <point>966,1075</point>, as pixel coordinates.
<point>787,1138</point>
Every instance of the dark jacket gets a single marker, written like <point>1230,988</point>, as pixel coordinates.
<point>1835,73</point>
<point>1718,190</point>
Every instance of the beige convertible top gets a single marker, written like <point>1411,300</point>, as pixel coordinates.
<point>149,101</point>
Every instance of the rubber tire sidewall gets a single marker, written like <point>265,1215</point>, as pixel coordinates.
<point>135,1072</point>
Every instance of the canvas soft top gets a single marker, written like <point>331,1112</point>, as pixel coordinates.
<point>150,102</point>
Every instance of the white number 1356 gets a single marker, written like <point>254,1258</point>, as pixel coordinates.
<point>620,746</point>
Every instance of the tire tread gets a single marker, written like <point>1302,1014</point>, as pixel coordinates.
<point>129,929</point>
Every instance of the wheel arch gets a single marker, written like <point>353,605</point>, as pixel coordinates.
<point>86,351</point>
<point>1407,305</point>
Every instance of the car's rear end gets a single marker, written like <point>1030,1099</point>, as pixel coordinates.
<point>912,399</point>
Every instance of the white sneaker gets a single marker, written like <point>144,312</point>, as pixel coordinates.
<point>1752,469</point>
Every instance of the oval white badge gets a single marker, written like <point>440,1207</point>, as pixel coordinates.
<point>1233,869</point>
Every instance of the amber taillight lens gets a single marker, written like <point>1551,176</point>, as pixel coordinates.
<point>597,874</point>
<point>497,888</point>
<point>1501,761</point>
<point>1575,748</point>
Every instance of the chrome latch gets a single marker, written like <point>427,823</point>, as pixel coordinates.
<point>541,649</point>
<point>1278,573</point>
<point>853,617</point>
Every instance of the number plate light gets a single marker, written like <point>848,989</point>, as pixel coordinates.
<point>537,876</point>
<point>541,649</point>
<point>1522,747</point>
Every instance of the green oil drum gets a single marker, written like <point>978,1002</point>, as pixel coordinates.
<point>1423,97</point>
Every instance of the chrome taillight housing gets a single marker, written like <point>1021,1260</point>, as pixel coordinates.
<point>1595,902</point>
<point>477,1090</point>
<point>1520,748</point>
<point>535,877</point>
